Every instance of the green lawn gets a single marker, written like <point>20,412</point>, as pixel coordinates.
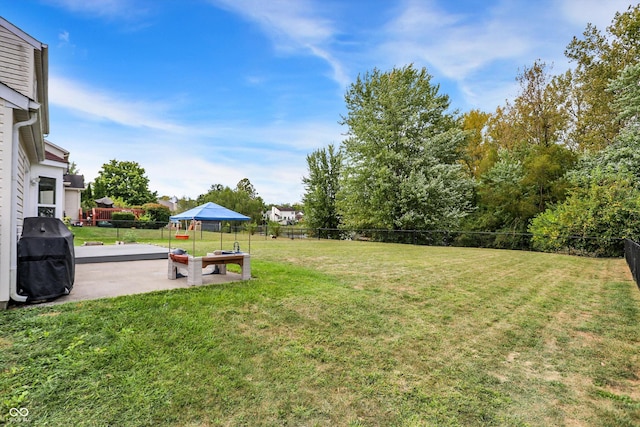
<point>341,333</point>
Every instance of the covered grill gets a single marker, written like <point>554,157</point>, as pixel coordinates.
<point>46,259</point>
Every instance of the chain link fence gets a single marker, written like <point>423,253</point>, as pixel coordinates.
<point>577,245</point>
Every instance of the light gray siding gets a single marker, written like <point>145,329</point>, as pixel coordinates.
<point>23,167</point>
<point>3,155</point>
<point>3,150</point>
<point>5,201</point>
<point>16,63</point>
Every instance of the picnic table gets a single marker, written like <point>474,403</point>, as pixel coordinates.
<point>196,264</point>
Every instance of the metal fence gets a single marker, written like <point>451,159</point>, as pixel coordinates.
<point>119,229</point>
<point>497,240</point>
<point>632,256</point>
<point>517,241</point>
<point>576,245</point>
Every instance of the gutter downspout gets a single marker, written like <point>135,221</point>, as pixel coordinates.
<point>13,278</point>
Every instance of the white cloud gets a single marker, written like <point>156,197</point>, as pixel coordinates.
<point>102,105</point>
<point>182,158</point>
<point>64,37</point>
<point>294,26</point>
<point>104,8</point>
<point>598,12</point>
<point>481,50</point>
<point>291,24</point>
<point>192,174</point>
<point>454,46</point>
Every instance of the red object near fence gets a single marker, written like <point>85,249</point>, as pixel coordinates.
<point>104,214</point>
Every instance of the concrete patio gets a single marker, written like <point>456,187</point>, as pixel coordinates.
<point>114,270</point>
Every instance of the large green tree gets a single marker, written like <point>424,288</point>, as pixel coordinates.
<point>321,188</point>
<point>626,92</point>
<point>538,119</point>
<point>599,57</point>
<point>534,155</point>
<point>536,116</point>
<point>603,205</point>
<point>500,202</point>
<point>402,151</point>
<point>479,152</point>
<point>243,199</point>
<point>520,185</point>
<point>245,185</point>
<point>124,180</point>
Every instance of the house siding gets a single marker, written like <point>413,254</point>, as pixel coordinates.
<point>6,118</point>
<point>24,78</point>
<point>17,63</point>
<point>23,168</point>
<point>72,204</point>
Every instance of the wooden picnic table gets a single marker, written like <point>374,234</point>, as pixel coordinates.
<point>196,264</point>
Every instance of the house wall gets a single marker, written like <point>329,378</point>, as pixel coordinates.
<point>23,196</point>
<point>17,63</point>
<point>6,115</point>
<point>72,203</point>
<point>6,207</point>
<point>24,78</point>
<point>282,217</point>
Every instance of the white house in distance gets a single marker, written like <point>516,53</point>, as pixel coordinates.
<point>283,215</point>
<point>73,188</point>
<point>31,169</point>
<point>171,203</point>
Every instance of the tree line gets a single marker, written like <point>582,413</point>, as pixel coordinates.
<point>560,161</point>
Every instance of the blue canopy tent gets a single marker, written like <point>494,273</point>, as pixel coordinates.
<point>207,212</point>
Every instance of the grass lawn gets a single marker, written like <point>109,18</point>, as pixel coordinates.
<point>341,333</point>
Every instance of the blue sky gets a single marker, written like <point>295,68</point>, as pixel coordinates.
<point>201,92</point>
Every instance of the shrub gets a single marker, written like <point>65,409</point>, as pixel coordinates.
<point>252,227</point>
<point>123,219</point>
<point>145,221</point>
<point>594,219</point>
<point>129,237</point>
<point>274,228</point>
<point>119,202</point>
<point>158,214</point>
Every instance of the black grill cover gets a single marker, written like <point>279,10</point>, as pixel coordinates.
<point>46,259</point>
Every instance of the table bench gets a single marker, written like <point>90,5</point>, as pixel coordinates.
<point>196,264</point>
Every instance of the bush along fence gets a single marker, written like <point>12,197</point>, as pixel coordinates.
<point>632,256</point>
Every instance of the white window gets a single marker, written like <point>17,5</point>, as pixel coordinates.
<point>47,197</point>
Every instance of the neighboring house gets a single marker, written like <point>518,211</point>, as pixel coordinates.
<point>65,199</point>
<point>172,203</point>
<point>31,170</point>
<point>283,215</point>
<point>73,188</point>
